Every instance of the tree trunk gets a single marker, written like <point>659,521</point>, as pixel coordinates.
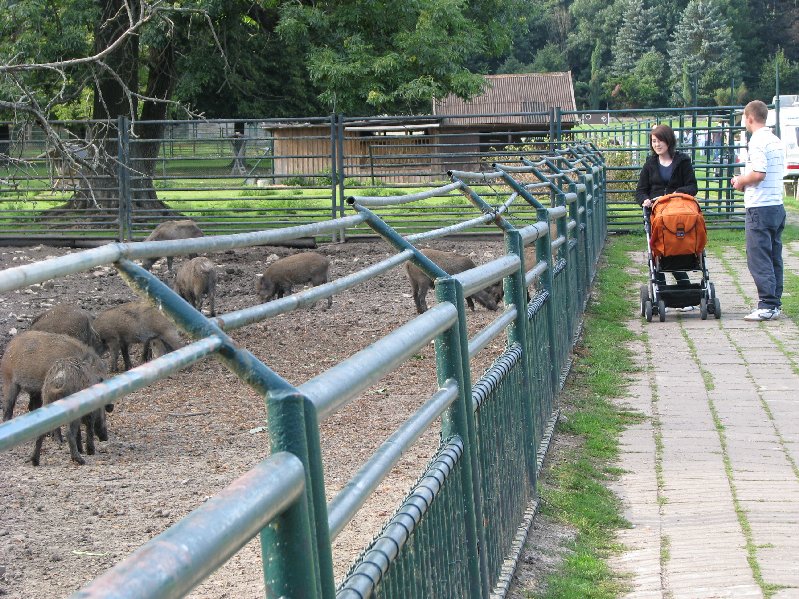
<point>99,185</point>
<point>114,98</point>
<point>148,134</point>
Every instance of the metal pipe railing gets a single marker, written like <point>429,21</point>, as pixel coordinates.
<point>177,560</point>
<point>332,389</point>
<point>355,492</point>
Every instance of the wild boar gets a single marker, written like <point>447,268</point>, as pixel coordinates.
<point>69,320</point>
<point>65,377</point>
<point>196,280</point>
<point>168,231</point>
<point>280,276</point>
<point>134,322</point>
<point>452,263</point>
<point>29,356</point>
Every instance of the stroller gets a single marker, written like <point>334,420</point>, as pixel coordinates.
<point>676,238</point>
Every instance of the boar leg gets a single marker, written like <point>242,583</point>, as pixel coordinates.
<point>126,355</point>
<point>88,421</point>
<point>11,400</point>
<point>74,428</point>
<point>37,450</point>
<point>100,425</point>
<point>419,297</point>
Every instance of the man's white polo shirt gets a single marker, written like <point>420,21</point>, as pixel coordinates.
<point>766,154</point>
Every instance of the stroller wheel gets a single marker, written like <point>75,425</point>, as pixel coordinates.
<point>703,308</point>
<point>662,310</point>
<point>711,291</point>
<point>644,298</point>
<point>648,310</point>
<point>716,308</point>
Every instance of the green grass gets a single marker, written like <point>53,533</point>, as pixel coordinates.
<point>574,490</point>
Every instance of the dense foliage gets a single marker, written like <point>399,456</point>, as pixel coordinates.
<point>245,58</point>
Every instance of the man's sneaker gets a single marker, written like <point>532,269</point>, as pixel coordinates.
<point>764,314</point>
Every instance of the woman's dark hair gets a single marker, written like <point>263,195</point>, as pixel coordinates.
<point>665,134</point>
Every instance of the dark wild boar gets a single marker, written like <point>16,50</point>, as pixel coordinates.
<point>196,280</point>
<point>65,377</point>
<point>29,356</point>
<point>171,230</point>
<point>134,322</point>
<point>451,263</point>
<point>69,320</point>
<point>297,269</point>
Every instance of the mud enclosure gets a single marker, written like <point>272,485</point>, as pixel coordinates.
<point>175,444</point>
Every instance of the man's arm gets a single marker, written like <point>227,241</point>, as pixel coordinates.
<point>740,182</point>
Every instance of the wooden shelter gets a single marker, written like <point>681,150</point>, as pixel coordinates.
<point>460,134</point>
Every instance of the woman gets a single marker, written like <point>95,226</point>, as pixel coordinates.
<point>665,171</point>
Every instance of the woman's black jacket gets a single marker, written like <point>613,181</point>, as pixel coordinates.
<point>650,184</point>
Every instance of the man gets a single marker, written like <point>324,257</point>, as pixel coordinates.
<point>765,213</point>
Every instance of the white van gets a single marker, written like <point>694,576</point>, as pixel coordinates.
<point>789,131</point>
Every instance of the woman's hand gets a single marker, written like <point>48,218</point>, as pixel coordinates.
<point>646,203</point>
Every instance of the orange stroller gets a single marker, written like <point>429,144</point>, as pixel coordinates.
<point>676,236</point>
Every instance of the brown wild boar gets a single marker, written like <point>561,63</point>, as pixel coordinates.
<point>134,322</point>
<point>27,359</point>
<point>452,263</point>
<point>69,320</point>
<point>280,276</point>
<point>65,377</point>
<point>196,280</point>
<point>168,231</point>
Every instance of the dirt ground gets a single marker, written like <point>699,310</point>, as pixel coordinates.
<point>173,445</point>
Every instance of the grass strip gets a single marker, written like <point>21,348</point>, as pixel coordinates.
<point>574,489</point>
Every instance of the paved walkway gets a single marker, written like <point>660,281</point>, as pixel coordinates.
<point>711,483</point>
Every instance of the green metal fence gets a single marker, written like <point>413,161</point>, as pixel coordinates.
<point>457,532</point>
<point>712,136</point>
<point>118,180</point>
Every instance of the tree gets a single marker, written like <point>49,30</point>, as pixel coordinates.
<point>789,76</point>
<point>641,30</point>
<point>595,24</point>
<point>549,59</point>
<point>135,58</point>
<point>529,33</point>
<point>642,86</point>
<point>362,61</point>
<point>702,53</point>
<point>595,83</point>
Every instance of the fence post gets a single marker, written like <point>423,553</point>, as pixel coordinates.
<point>123,177</point>
<point>452,362</point>
<point>516,293</point>
<point>584,231</point>
<point>296,548</point>
<point>543,252</point>
<point>559,199</point>
<point>340,159</point>
<point>558,124</point>
<point>333,170</point>
<point>731,159</point>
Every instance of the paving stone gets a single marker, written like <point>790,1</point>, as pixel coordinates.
<point>756,401</point>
